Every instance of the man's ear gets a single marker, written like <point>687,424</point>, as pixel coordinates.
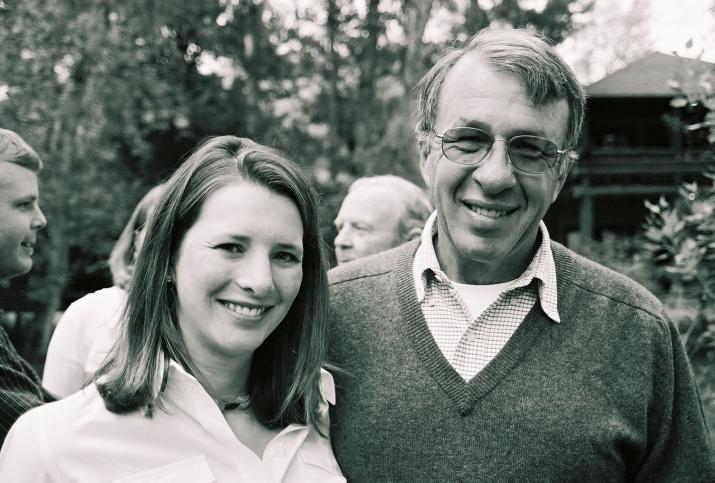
<point>564,169</point>
<point>414,233</point>
<point>426,165</point>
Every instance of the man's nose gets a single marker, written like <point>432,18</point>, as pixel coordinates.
<point>38,220</point>
<point>343,239</point>
<point>254,274</point>
<point>495,172</point>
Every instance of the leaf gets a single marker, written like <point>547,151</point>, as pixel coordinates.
<point>679,102</point>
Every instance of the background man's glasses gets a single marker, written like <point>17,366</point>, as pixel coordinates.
<point>529,154</point>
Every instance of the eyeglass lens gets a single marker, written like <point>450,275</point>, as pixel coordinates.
<point>531,154</point>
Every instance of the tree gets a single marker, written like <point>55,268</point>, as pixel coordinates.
<point>595,48</point>
<point>87,86</point>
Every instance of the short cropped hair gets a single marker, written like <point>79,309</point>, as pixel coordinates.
<point>284,379</point>
<point>14,149</point>
<point>545,76</point>
<point>417,207</point>
<point>121,260</point>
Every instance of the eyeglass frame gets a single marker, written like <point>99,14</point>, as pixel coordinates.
<point>559,152</point>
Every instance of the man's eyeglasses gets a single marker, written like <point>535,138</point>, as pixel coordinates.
<point>529,154</point>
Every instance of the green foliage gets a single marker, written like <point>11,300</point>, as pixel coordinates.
<point>680,239</point>
<point>696,92</point>
<point>623,255</point>
<point>680,236</point>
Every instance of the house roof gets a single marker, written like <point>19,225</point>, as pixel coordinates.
<point>649,76</point>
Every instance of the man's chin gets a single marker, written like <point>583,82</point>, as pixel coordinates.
<point>345,259</point>
<point>11,272</point>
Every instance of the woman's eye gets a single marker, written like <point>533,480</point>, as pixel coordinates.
<point>230,247</point>
<point>287,257</point>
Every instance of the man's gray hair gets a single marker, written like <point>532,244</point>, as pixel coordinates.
<point>14,149</point>
<point>417,206</point>
<point>528,55</point>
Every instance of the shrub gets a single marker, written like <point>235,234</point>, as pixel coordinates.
<point>680,244</point>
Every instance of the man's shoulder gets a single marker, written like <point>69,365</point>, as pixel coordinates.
<point>377,265</point>
<point>576,271</point>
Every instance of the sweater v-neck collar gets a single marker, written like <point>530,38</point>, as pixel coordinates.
<point>465,394</point>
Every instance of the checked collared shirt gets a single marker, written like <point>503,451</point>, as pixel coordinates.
<point>469,342</point>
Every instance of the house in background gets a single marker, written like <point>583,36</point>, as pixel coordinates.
<point>634,147</point>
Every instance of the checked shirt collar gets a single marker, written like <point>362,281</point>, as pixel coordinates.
<point>541,268</point>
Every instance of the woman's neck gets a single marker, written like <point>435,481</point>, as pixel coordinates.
<point>224,379</point>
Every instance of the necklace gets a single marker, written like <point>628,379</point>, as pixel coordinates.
<point>239,401</point>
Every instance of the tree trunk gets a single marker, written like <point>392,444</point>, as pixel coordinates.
<point>332,76</point>
<point>364,123</point>
<point>417,13</point>
<point>397,150</point>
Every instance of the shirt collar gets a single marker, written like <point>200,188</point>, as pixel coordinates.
<point>541,268</point>
<point>327,384</point>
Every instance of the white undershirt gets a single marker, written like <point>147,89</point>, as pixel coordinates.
<point>479,297</point>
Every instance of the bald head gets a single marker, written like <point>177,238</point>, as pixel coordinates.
<point>379,213</point>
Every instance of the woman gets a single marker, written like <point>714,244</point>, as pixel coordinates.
<point>88,328</point>
<point>217,372</point>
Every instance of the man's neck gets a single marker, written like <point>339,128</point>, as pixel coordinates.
<point>462,268</point>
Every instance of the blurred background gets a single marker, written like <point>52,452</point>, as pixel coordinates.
<point>112,94</point>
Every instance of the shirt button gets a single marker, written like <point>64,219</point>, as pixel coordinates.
<point>471,336</point>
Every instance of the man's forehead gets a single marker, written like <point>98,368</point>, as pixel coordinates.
<point>369,202</point>
<point>12,173</point>
<point>476,94</point>
<point>374,195</point>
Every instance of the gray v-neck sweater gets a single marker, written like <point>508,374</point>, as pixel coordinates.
<point>605,395</point>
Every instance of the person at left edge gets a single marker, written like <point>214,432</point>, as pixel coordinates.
<point>20,220</point>
<point>217,373</point>
<point>88,328</point>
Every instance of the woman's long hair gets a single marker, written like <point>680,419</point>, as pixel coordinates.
<point>284,379</point>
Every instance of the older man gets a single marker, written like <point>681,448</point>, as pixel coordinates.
<point>20,220</point>
<point>378,213</point>
<point>485,351</point>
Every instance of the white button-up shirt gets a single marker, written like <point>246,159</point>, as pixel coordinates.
<point>82,339</point>
<point>78,440</point>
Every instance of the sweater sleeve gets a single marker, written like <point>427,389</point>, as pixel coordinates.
<point>19,385</point>
<point>679,447</point>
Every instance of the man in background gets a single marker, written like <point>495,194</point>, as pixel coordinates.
<point>20,220</point>
<point>484,351</point>
<point>378,213</point>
